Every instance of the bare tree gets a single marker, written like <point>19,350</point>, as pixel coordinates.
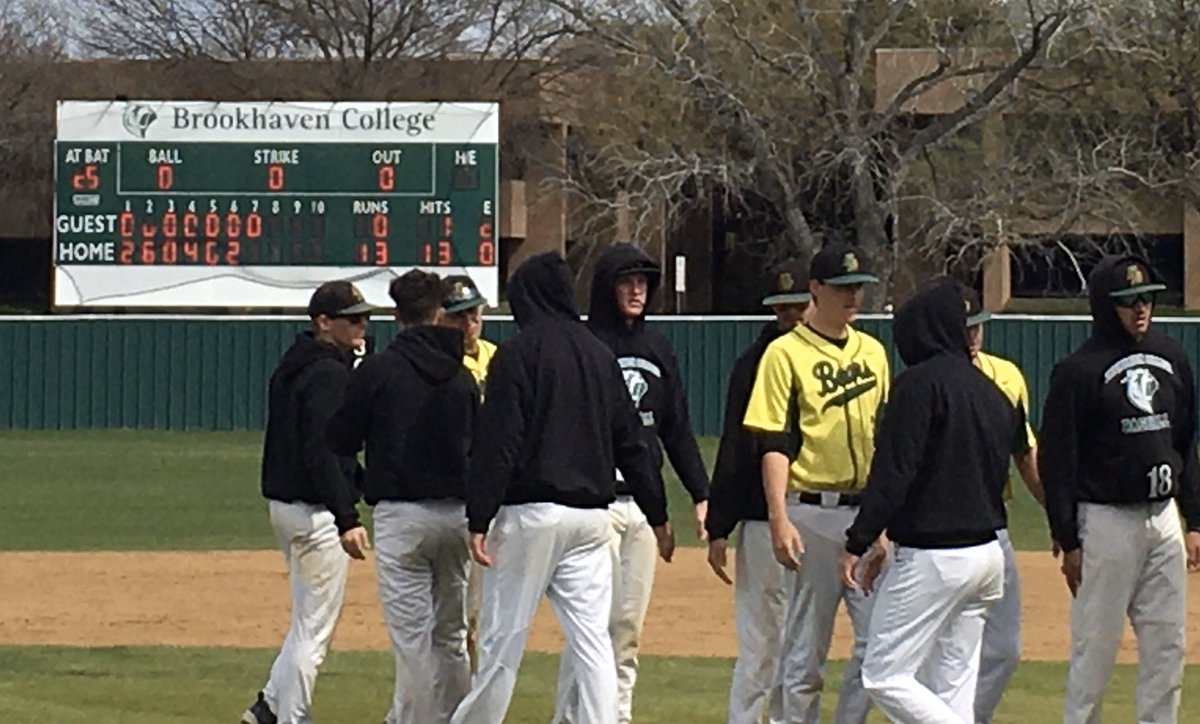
<point>224,30</point>
<point>776,106</point>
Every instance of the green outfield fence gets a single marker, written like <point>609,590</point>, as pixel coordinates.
<point>210,373</point>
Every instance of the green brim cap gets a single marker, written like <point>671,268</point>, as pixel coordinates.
<point>362,308</point>
<point>845,279</point>
<point>980,318</point>
<point>799,298</point>
<point>465,305</point>
<point>1139,289</point>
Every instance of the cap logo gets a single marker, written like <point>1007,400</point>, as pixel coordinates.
<point>1134,275</point>
<point>358,297</point>
<point>786,282</point>
<point>458,290</point>
<point>967,306</point>
<point>850,262</point>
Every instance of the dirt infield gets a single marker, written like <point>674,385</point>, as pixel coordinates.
<point>240,599</point>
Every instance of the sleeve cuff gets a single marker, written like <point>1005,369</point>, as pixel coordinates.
<point>858,545</point>
<point>347,523</point>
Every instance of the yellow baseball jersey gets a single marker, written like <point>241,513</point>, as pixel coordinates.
<point>831,396</point>
<point>1011,382</point>
<point>478,366</point>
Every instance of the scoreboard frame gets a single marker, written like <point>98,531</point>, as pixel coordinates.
<point>124,238</point>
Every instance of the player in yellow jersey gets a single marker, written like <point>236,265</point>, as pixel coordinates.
<point>817,394</point>
<point>1001,650</point>
<point>464,311</point>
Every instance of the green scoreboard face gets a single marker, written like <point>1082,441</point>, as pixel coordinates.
<point>187,204</point>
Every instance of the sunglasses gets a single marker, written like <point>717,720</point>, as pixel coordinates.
<point>1130,300</point>
<point>353,318</point>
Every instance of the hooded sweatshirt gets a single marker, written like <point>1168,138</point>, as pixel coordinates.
<point>649,367</point>
<point>557,419</point>
<point>942,451</point>
<point>415,406</point>
<point>1119,424</point>
<point>737,489</point>
<point>306,387</point>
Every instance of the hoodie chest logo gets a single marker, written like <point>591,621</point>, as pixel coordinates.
<point>843,383</point>
<point>1140,388</point>
<point>634,370</point>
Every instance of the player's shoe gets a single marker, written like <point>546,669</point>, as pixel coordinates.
<point>259,713</point>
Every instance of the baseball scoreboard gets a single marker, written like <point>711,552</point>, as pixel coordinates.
<point>163,204</point>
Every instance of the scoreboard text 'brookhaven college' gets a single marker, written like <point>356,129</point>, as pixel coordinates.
<point>162,204</point>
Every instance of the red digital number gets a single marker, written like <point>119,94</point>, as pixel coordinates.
<point>212,225</point>
<point>381,252</point>
<point>232,252</point>
<point>126,223</point>
<point>148,230</point>
<point>210,252</point>
<point>127,251</point>
<point>445,255</point>
<point>253,226</point>
<point>148,252</point>
<point>170,225</point>
<point>166,177</point>
<point>87,179</point>
<point>379,225</point>
<point>191,250</point>
<point>363,253</point>
<point>387,178</point>
<point>487,252</point>
<point>191,223</point>
<point>275,177</point>
<point>427,253</point>
<point>233,226</point>
<point>170,251</point>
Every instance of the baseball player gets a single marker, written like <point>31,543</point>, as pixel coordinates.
<point>737,495</point>
<point>623,287</point>
<point>936,486</point>
<point>414,406</point>
<point>823,383</point>
<point>555,424</point>
<point>464,311</point>
<point>1122,414</point>
<point>311,494</point>
<point>1002,631</point>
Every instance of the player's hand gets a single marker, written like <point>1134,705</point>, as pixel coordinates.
<point>701,514</point>
<point>848,565</point>
<point>717,559</point>
<point>479,550</point>
<point>1072,569</point>
<point>872,566</point>
<point>666,541</point>
<point>356,543</point>
<point>786,542</point>
<point>1191,542</point>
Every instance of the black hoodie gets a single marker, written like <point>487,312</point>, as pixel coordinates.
<point>415,406</point>
<point>306,387</point>
<point>557,419</point>
<point>649,367</point>
<point>1119,424</point>
<point>943,447</point>
<point>737,490</point>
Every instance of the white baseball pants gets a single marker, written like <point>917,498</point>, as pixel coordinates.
<point>1001,650</point>
<point>1133,565</point>
<point>813,597</point>
<point>634,551</point>
<point>928,620</point>
<point>317,568</point>
<point>421,559</point>
<point>546,549</point>
<point>760,606</point>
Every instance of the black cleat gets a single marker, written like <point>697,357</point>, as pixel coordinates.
<point>259,713</point>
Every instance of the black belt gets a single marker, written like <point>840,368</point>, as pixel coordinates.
<point>847,499</point>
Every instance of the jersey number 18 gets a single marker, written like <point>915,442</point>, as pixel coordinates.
<point>1160,480</point>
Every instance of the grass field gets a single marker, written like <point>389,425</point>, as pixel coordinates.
<point>134,490</point>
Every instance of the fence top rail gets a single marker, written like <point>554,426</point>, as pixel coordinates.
<point>658,318</point>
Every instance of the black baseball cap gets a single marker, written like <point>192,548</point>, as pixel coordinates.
<point>976,314</point>
<point>787,283</point>
<point>461,294</point>
<point>338,299</point>
<point>1131,278</point>
<point>841,264</point>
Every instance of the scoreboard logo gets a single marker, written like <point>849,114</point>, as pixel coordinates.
<point>137,119</point>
